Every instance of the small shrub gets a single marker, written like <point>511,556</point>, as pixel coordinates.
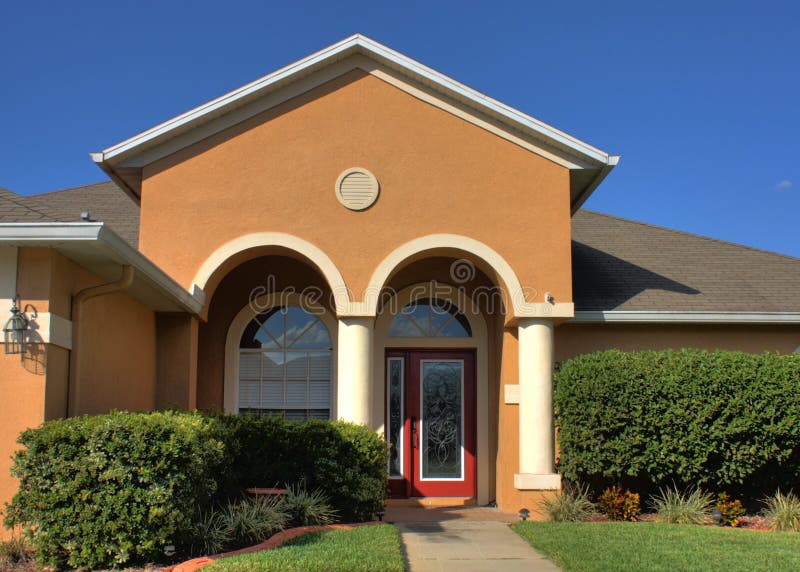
<point>14,551</point>
<point>572,504</point>
<point>210,533</point>
<point>251,521</point>
<point>675,507</point>
<point>305,508</point>
<point>730,510</point>
<point>784,511</point>
<point>617,504</point>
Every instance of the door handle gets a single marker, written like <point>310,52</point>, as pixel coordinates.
<point>413,432</point>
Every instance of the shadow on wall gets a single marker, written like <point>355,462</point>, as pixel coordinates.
<point>602,281</point>
<point>34,356</point>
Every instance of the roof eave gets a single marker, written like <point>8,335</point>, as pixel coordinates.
<point>100,250</point>
<point>584,194</point>
<point>684,317</point>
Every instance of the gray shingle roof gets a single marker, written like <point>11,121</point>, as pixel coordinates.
<point>13,209</point>
<point>103,201</point>
<point>621,264</point>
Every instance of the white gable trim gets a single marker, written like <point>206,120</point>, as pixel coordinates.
<point>228,104</point>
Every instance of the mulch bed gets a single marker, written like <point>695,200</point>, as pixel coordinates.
<point>750,522</point>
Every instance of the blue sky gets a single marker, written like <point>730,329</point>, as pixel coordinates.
<point>701,99</point>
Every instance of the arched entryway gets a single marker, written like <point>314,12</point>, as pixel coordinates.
<point>277,295</point>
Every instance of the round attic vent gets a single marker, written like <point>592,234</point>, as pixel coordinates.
<point>357,189</point>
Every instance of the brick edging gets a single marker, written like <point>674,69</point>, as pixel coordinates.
<point>273,541</point>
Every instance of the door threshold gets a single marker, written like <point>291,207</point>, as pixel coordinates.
<point>433,501</point>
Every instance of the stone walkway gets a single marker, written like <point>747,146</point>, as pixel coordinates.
<point>464,540</point>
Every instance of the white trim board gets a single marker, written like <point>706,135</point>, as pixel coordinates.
<point>687,317</point>
<point>100,250</point>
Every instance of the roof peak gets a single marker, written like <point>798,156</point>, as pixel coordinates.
<point>123,161</point>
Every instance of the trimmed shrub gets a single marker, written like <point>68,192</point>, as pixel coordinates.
<point>617,504</point>
<point>113,489</point>
<point>720,420</point>
<point>345,462</point>
<point>675,507</point>
<point>106,490</point>
<point>116,489</point>
<point>572,504</point>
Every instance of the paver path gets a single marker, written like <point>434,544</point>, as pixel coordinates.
<point>467,546</point>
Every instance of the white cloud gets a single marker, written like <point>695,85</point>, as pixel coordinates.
<point>784,185</point>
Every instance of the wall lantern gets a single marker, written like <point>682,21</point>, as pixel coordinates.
<point>15,330</point>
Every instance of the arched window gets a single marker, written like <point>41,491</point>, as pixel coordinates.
<point>285,365</point>
<point>430,318</point>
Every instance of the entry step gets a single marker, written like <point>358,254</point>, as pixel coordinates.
<point>433,501</point>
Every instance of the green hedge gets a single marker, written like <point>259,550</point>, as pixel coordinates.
<point>347,462</point>
<point>110,489</point>
<point>726,421</point>
<point>115,489</point>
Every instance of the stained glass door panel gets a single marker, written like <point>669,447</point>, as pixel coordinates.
<point>430,422</point>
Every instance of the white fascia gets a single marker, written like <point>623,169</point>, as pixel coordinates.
<point>94,238</point>
<point>686,317</point>
<point>355,44</point>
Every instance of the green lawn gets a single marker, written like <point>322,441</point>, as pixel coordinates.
<point>364,549</point>
<point>579,547</point>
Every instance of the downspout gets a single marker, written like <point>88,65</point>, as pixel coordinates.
<point>120,285</point>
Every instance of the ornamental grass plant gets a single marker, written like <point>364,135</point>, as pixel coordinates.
<point>572,504</point>
<point>673,506</point>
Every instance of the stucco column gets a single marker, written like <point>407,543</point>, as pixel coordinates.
<point>536,432</point>
<point>354,374</point>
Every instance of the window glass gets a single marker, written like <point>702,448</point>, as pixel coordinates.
<point>430,318</point>
<point>285,365</point>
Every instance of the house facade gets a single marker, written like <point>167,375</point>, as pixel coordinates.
<point>359,237</point>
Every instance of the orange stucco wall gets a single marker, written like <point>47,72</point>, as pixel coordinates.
<point>574,339</point>
<point>117,366</point>
<point>438,174</point>
<point>118,356</point>
<point>22,406</point>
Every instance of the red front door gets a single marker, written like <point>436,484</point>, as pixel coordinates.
<point>430,422</point>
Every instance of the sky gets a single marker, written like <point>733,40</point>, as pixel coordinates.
<point>701,99</point>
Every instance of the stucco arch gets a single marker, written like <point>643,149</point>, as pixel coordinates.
<point>514,294</point>
<point>323,263</point>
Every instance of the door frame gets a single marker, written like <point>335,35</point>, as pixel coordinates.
<point>413,485</point>
<point>479,342</point>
